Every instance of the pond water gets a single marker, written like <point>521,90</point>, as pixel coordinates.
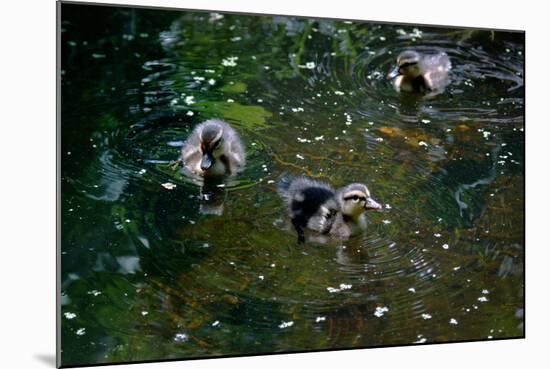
<point>147,274</point>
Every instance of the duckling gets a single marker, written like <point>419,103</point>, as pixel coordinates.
<point>420,73</point>
<point>319,207</point>
<point>214,149</point>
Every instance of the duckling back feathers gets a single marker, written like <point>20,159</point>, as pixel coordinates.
<point>436,69</point>
<point>311,204</point>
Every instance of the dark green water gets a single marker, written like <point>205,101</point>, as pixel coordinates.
<point>146,275</point>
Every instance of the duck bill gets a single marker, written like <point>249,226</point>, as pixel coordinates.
<point>371,204</point>
<point>206,161</point>
<point>393,73</point>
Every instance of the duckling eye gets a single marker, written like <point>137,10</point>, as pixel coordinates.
<point>406,65</point>
<point>355,198</point>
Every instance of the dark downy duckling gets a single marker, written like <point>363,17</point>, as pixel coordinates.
<point>317,206</point>
<point>420,73</point>
<point>214,149</point>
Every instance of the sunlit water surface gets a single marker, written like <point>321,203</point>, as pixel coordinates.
<point>146,274</point>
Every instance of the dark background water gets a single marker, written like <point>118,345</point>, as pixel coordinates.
<point>146,275</point>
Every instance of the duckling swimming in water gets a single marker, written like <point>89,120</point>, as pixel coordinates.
<point>420,73</point>
<point>214,149</point>
<point>317,206</point>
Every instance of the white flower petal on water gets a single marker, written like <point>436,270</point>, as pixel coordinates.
<point>215,16</point>
<point>380,310</point>
<point>320,319</point>
<point>70,315</point>
<point>81,332</point>
<point>416,33</point>
<point>181,337</point>
<point>420,340</point>
<point>286,324</point>
<point>230,61</point>
<point>453,321</point>
<point>426,316</point>
<point>169,185</point>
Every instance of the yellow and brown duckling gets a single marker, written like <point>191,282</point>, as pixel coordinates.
<point>319,207</point>
<point>213,149</point>
<point>420,73</point>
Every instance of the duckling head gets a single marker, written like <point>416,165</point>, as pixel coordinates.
<point>211,140</point>
<point>355,199</point>
<point>407,65</point>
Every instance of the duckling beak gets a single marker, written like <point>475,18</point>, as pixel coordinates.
<point>393,73</point>
<point>206,161</point>
<point>371,204</point>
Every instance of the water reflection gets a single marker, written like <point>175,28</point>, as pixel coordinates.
<point>149,273</point>
<point>213,196</point>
